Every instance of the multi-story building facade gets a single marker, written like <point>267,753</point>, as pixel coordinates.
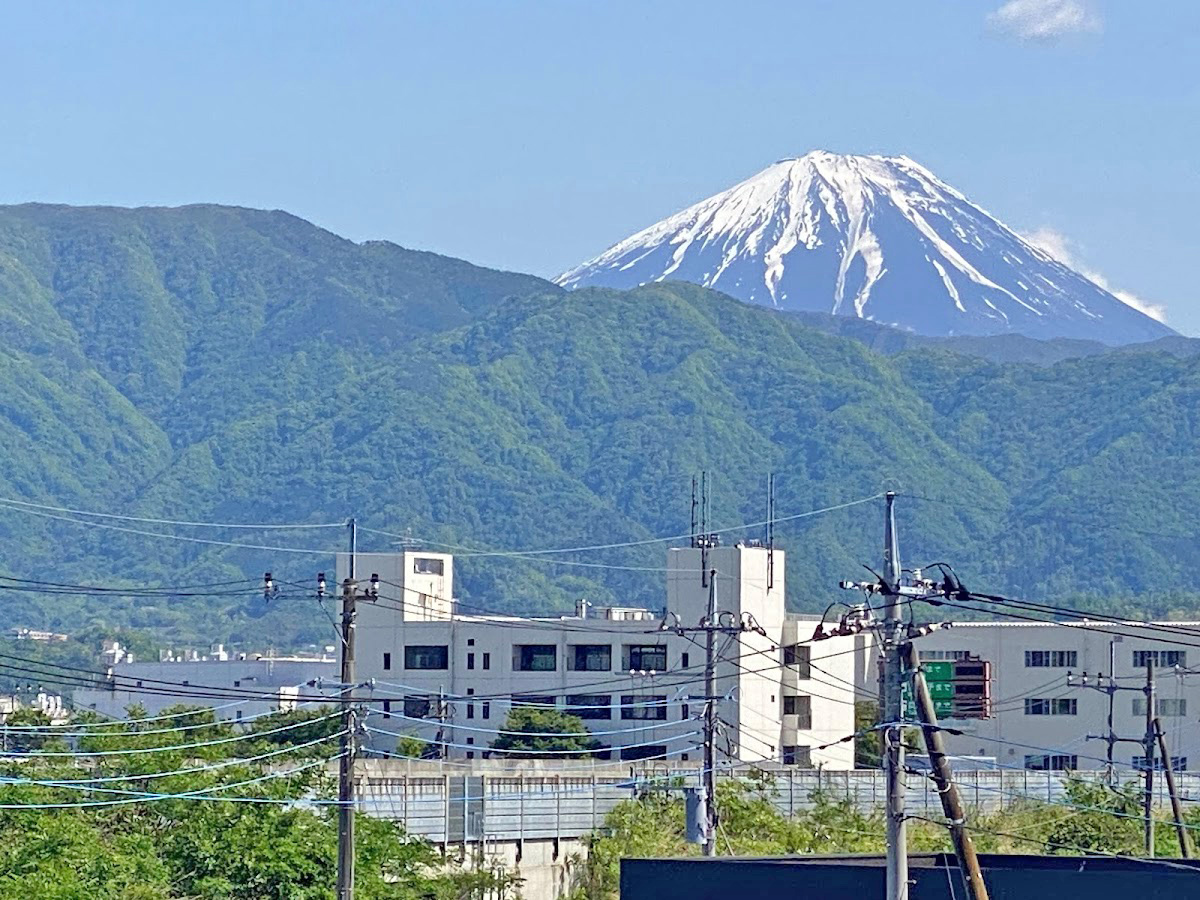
<point>450,677</point>
<point>1040,719</point>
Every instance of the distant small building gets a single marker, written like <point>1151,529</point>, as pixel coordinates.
<point>30,634</point>
<point>268,683</point>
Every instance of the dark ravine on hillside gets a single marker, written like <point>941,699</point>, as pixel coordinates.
<point>235,365</point>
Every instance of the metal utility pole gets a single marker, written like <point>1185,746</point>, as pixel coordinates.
<point>1148,752</point>
<point>345,864</point>
<point>710,718</point>
<point>1185,846</point>
<point>1146,741</point>
<point>891,710</point>
<point>964,847</point>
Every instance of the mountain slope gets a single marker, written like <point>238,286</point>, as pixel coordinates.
<point>518,416</point>
<point>871,237</point>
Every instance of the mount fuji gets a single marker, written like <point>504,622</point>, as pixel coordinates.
<point>875,237</point>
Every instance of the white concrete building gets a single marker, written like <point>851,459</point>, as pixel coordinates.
<point>276,680</point>
<point>450,676</point>
<point>1039,721</point>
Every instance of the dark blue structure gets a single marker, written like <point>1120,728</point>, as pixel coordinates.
<point>934,877</point>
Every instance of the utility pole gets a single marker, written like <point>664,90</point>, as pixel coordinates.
<point>345,867</point>
<point>1185,846</point>
<point>1146,741</point>
<point>1148,752</point>
<point>710,717</point>
<point>964,847</point>
<point>891,710</point>
<point>711,625</point>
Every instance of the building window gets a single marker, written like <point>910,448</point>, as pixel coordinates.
<point>590,657</point>
<point>470,660</point>
<point>800,656</point>
<point>470,710</point>
<point>239,715</point>
<point>487,660</point>
<point>1159,658</point>
<point>539,701</point>
<point>1163,706</point>
<point>535,658</point>
<point>646,657</point>
<point>237,683</point>
<point>943,655</point>
<point>416,707</point>
<point>684,713</point>
<point>683,660</point>
<point>470,754</point>
<point>797,756</point>
<point>387,662</point>
<point>427,656</point>
<point>652,751</point>
<point>470,642</point>
<point>590,706</point>
<point>1054,706</point>
<point>486,710</point>
<point>801,708</point>
<point>1054,762</point>
<point>426,566</point>
<point>1178,763</point>
<point>387,709</point>
<point>1051,659</point>
<point>638,707</point>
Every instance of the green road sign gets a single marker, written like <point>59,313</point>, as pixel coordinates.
<point>938,671</point>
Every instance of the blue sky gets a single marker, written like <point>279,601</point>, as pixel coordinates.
<point>532,135</point>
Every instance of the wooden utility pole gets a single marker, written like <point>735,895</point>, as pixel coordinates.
<point>964,847</point>
<point>1185,846</point>
<point>345,861</point>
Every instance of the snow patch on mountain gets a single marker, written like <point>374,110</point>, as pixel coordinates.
<point>875,237</point>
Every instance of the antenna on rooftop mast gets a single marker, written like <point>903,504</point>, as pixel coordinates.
<point>695,526</point>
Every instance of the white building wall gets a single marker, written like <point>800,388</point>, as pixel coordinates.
<point>1015,733</point>
<point>481,671</point>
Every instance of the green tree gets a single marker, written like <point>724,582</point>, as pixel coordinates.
<point>530,730</point>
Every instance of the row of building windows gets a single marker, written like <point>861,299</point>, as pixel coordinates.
<point>1062,762</point>
<point>1052,706</point>
<point>1173,707</point>
<point>580,658</point>
<point>1069,659</point>
<point>544,658</point>
<point>633,707</point>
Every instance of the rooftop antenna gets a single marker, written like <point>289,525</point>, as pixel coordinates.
<point>695,525</point>
<point>704,529</point>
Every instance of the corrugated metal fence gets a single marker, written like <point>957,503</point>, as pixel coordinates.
<point>480,808</point>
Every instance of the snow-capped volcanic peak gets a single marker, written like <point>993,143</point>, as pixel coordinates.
<point>876,237</point>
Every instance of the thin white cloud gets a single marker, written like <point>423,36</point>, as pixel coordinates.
<point>1062,248</point>
<point>1044,20</point>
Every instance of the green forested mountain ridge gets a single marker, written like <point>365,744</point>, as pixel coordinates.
<point>236,365</point>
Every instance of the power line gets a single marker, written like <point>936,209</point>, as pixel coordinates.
<point>257,526</point>
<point>622,544</point>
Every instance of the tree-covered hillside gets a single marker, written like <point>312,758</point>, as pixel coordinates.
<point>230,365</point>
